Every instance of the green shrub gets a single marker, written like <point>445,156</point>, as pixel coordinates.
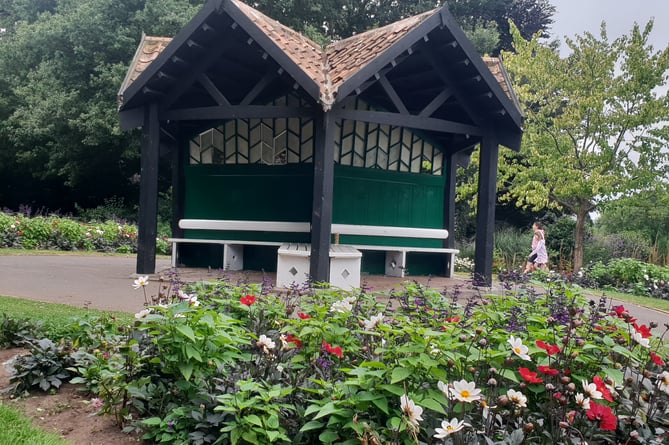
<point>511,248</point>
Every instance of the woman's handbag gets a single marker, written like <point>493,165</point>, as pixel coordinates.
<point>532,258</point>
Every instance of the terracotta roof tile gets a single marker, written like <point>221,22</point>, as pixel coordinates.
<point>303,51</point>
<point>497,69</point>
<point>347,56</point>
<point>148,50</point>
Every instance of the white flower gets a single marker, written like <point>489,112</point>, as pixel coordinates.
<point>341,306</point>
<point>444,389</point>
<point>182,295</point>
<point>663,381</point>
<point>448,428</point>
<point>265,343</point>
<point>645,277</point>
<point>412,410</point>
<point>590,389</point>
<point>519,348</point>
<point>434,350</point>
<point>582,401</point>
<point>141,282</point>
<point>142,314</point>
<point>13,226</point>
<point>465,391</point>
<point>279,368</point>
<point>192,301</point>
<point>517,397</point>
<point>645,342</point>
<point>373,322</point>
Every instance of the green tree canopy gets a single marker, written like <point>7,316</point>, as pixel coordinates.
<point>597,123</point>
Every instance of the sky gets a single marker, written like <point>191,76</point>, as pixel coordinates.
<point>573,17</point>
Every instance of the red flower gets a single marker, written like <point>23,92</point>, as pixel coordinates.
<point>303,316</point>
<point>529,376</point>
<point>290,338</point>
<point>248,300</point>
<point>452,320</point>
<point>334,350</point>
<point>550,349</point>
<point>601,387</point>
<point>623,313</point>
<point>643,330</point>
<point>657,359</point>
<point>547,370</point>
<point>604,415</point>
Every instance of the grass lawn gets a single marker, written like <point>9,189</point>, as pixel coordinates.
<point>15,429</point>
<point>55,318</point>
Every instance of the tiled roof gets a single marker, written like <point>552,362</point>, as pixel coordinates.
<point>347,56</point>
<point>329,68</point>
<point>148,50</point>
<point>303,51</point>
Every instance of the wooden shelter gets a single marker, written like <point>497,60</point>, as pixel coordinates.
<point>261,123</point>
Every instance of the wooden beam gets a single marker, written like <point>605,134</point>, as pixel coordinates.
<point>437,102</point>
<point>213,91</point>
<point>323,191</point>
<point>259,87</point>
<point>392,94</point>
<point>148,192</point>
<point>485,213</point>
<point>235,112</point>
<point>435,59</point>
<point>187,82</point>
<point>408,121</point>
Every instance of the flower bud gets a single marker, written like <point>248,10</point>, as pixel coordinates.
<point>550,387</point>
<point>483,342</point>
<point>565,379</point>
<point>571,387</point>
<point>503,400</point>
<point>492,382</point>
<point>580,342</point>
<point>564,425</point>
<point>463,337</point>
<point>492,371</point>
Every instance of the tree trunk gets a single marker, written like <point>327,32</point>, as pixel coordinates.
<point>579,234</point>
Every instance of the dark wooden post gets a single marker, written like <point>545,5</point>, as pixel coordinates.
<point>321,210</point>
<point>449,200</point>
<point>485,214</point>
<point>179,152</point>
<point>148,192</point>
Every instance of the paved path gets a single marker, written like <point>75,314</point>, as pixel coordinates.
<point>105,282</point>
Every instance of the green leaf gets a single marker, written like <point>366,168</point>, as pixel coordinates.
<point>311,425</point>
<point>186,370</point>
<point>191,352</point>
<point>432,404</point>
<point>381,403</point>
<point>326,410</point>
<point>393,389</point>
<point>186,331</point>
<point>399,374</point>
<point>152,421</point>
<point>328,436</point>
<point>253,419</point>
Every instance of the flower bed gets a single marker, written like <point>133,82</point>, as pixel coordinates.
<point>218,363</point>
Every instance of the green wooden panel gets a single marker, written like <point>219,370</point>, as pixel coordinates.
<point>249,192</point>
<point>383,198</point>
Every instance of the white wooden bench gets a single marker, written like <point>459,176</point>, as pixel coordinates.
<point>233,250</point>
<point>396,256</point>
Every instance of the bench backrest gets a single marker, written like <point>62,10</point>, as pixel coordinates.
<point>241,225</point>
<point>305,227</point>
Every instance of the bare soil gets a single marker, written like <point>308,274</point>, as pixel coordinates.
<point>67,413</point>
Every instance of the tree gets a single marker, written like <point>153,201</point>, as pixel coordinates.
<point>597,123</point>
<point>60,70</point>
<point>486,22</point>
